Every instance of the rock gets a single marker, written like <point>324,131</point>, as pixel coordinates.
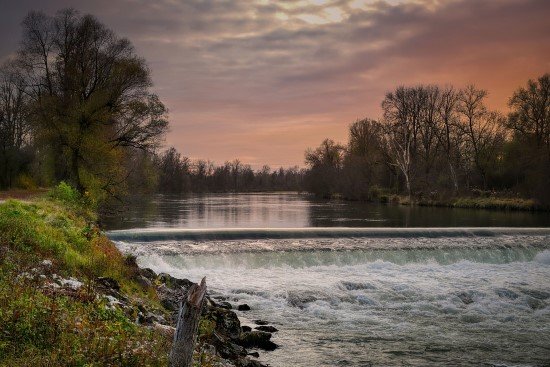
<point>535,303</point>
<point>261,322</point>
<point>254,354</point>
<point>225,304</point>
<point>174,283</point>
<point>46,263</point>
<point>301,299</point>
<point>108,283</point>
<point>466,298</point>
<point>170,298</point>
<point>71,283</point>
<point>143,281</point>
<point>506,293</point>
<point>164,329</point>
<point>351,286</point>
<point>225,348</point>
<point>269,329</point>
<point>542,295</point>
<point>257,339</point>
<point>227,322</point>
<point>246,328</point>
<point>150,318</point>
<point>148,273</point>
<point>243,307</point>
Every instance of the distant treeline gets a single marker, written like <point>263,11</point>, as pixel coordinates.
<point>437,142</point>
<point>177,174</point>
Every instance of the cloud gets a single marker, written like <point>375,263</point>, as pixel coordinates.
<point>266,79</point>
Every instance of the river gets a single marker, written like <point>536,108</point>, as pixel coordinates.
<point>350,284</point>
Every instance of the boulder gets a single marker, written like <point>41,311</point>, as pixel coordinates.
<point>243,307</point>
<point>246,328</point>
<point>148,273</point>
<point>466,298</point>
<point>257,339</point>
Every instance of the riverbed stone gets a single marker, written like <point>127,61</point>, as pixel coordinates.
<point>257,339</point>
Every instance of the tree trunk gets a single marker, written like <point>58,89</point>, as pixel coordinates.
<point>75,170</point>
<point>187,326</point>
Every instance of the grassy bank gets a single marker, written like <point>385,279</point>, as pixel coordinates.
<point>490,203</point>
<point>53,241</point>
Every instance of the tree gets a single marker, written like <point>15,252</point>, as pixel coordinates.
<point>450,136</point>
<point>364,161</point>
<point>529,121</point>
<point>90,97</point>
<point>325,164</point>
<point>15,130</point>
<point>482,130</point>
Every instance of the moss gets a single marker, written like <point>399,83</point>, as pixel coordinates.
<point>45,328</point>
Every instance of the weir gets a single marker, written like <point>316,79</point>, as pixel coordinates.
<point>198,234</point>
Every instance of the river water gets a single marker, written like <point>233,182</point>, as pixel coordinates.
<point>351,284</point>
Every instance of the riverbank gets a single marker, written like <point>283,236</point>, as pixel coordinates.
<point>467,202</point>
<point>69,297</point>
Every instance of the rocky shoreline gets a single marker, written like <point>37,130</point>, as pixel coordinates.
<point>220,332</point>
<point>222,341</point>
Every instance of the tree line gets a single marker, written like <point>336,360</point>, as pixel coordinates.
<point>435,142</point>
<point>76,106</point>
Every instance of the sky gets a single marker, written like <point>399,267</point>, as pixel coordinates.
<point>262,80</point>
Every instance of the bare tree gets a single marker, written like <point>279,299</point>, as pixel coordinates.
<point>482,129</point>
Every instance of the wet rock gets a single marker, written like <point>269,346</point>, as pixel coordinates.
<point>174,283</point>
<point>535,303</point>
<point>261,322</point>
<point>254,354</point>
<point>506,293</point>
<point>351,286</point>
<point>465,297</point>
<point>227,322</point>
<point>225,304</point>
<point>246,328</point>
<point>227,349</point>
<point>243,307</point>
<point>257,339</point>
<point>268,328</point>
<point>108,283</point>
<point>542,295</point>
<point>148,273</point>
<point>300,299</point>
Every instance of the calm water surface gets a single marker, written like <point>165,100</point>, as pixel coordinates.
<point>418,297</point>
<point>296,210</point>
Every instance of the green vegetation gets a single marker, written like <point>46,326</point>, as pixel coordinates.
<point>46,325</point>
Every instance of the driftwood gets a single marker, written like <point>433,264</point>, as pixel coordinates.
<point>187,326</point>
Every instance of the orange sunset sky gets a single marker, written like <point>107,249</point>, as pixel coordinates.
<point>263,80</point>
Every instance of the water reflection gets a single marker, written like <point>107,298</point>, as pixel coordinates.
<point>279,210</point>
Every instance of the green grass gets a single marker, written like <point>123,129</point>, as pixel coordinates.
<point>40,327</point>
<point>495,203</point>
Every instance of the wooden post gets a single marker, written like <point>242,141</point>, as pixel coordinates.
<point>187,326</point>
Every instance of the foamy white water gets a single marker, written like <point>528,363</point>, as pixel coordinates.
<point>420,299</point>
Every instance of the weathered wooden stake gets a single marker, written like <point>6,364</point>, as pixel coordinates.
<point>187,326</point>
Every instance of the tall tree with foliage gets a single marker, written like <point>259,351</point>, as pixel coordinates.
<point>90,97</point>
